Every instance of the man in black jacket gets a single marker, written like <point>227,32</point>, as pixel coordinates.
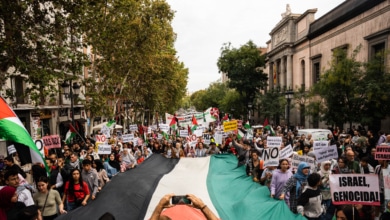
<point>10,165</point>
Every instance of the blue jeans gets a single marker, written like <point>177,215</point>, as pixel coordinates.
<point>70,206</point>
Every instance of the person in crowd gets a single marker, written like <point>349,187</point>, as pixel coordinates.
<point>352,164</point>
<point>90,176</point>
<point>157,148</point>
<point>102,174</point>
<point>168,152</point>
<point>112,167</point>
<point>200,151</point>
<point>266,176</point>
<point>128,159</point>
<point>310,201</point>
<point>243,151</point>
<point>365,167</point>
<point>255,167</point>
<point>10,165</point>
<point>76,192</point>
<point>74,161</point>
<point>2,164</point>
<point>47,200</point>
<point>140,157</point>
<point>10,207</point>
<point>341,166</point>
<point>382,138</point>
<point>383,164</point>
<point>179,152</point>
<point>213,149</point>
<point>325,172</point>
<point>55,181</point>
<point>295,185</point>
<point>347,212</point>
<point>164,208</point>
<point>24,195</point>
<point>279,179</point>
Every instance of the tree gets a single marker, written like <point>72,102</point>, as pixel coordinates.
<point>272,105</point>
<point>243,67</point>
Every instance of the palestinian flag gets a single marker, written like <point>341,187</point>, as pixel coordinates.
<point>111,123</point>
<point>230,194</point>
<point>70,134</point>
<point>225,118</point>
<point>268,127</point>
<point>194,124</point>
<point>12,129</point>
<point>247,125</point>
<point>240,134</point>
<point>174,123</point>
<point>210,114</point>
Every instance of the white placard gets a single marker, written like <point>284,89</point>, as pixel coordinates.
<point>100,138</point>
<point>11,149</point>
<point>126,138</point>
<point>104,148</point>
<point>183,133</point>
<point>274,141</point>
<point>159,136</point>
<point>106,131</point>
<point>135,141</point>
<point>133,127</point>
<point>296,159</point>
<point>354,189</point>
<point>286,152</point>
<point>326,153</point>
<point>164,127</point>
<point>218,137</point>
<point>206,139</point>
<point>318,145</point>
<point>198,132</point>
<point>270,156</point>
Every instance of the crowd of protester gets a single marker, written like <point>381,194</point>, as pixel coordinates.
<point>78,173</point>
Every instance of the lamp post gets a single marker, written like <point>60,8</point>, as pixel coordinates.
<point>288,95</point>
<point>71,92</point>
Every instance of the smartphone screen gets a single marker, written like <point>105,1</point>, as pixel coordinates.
<point>180,200</point>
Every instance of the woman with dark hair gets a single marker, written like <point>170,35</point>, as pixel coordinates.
<point>347,212</point>
<point>76,192</point>
<point>279,179</point>
<point>37,172</point>
<point>341,166</point>
<point>112,167</point>
<point>102,174</point>
<point>47,200</point>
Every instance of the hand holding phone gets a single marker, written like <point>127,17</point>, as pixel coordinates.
<point>180,200</point>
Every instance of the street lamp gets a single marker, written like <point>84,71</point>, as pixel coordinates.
<point>289,94</point>
<point>71,93</point>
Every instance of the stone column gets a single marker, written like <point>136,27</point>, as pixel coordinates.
<point>289,72</point>
<point>271,75</point>
<point>282,81</point>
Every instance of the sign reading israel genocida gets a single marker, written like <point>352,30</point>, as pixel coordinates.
<point>354,189</point>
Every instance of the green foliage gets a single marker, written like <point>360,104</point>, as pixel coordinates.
<point>243,66</point>
<point>272,103</point>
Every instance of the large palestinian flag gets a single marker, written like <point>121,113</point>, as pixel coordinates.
<point>224,187</point>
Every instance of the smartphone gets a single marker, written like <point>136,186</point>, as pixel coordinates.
<point>180,200</point>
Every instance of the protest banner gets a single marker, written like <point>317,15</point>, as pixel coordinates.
<point>286,152</point>
<point>273,141</point>
<point>198,132</point>
<point>326,153</point>
<point>218,137</point>
<point>103,148</point>
<point>183,133</point>
<point>192,140</point>
<point>230,126</point>
<point>100,138</point>
<point>318,145</point>
<point>206,138</point>
<point>11,149</point>
<point>106,131</point>
<point>354,189</point>
<point>133,127</point>
<point>296,159</point>
<point>382,152</point>
<point>126,138</point>
<point>164,127</point>
<point>51,141</point>
<point>159,136</point>
<point>270,156</point>
<point>386,181</point>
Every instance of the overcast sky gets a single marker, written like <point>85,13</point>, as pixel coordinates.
<point>203,26</point>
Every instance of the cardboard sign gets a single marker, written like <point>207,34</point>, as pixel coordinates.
<point>296,159</point>
<point>164,127</point>
<point>382,152</point>
<point>126,138</point>
<point>286,152</point>
<point>326,153</point>
<point>101,138</point>
<point>354,189</point>
<point>206,138</point>
<point>198,132</point>
<point>183,133</point>
<point>11,149</point>
<point>270,156</point>
<point>106,131</point>
<point>218,137</point>
<point>230,126</point>
<point>51,141</point>
<point>273,141</point>
<point>104,148</point>
<point>318,145</point>
<point>133,127</point>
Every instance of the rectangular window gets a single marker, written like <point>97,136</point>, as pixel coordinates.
<point>316,68</point>
<point>377,44</point>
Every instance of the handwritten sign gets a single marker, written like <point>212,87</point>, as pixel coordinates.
<point>286,152</point>
<point>51,141</point>
<point>133,127</point>
<point>230,126</point>
<point>326,153</point>
<point>382,152</point>
<point>206,139</point>
<point>164,127</point>
<point>104,148</point>
<point>296,160</point>
<point>100,138</point>
<point>354,189</point>
<point>11,149</point>
<point>271,156</point>
<point>318,145</point>
<point>273,141</point>
<point>106,131</point>
<point>127,138</point>
<point>183,133</point>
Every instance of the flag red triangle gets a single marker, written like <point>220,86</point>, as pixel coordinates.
<point>194,121</point>
<point>5,111</point>
<point>265,122</point>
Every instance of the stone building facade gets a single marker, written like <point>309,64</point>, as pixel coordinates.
<point>301,47</point>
